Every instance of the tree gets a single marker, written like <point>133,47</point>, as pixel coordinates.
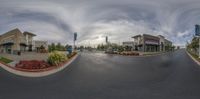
<point>120,48</point>
<point>98,47</point>
<point>58,46</point>
<point>193,46</point>
<point>67,46</point>
<point>81,47</point>
<point>195,43</point>
<point>51,47</point>
<point>42,47</point>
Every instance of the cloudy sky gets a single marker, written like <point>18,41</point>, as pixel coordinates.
<point>55,21</point>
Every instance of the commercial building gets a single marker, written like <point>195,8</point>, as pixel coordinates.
<point>150,43</point>
<point>130,45</point>
<point>164,43</point>
<point>15,41</point>
<point>39,45</point>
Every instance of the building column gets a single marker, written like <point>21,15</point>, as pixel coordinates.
<point>144,48</point>
<point>27,47</point>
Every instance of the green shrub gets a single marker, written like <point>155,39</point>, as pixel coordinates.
<point>55,58</point>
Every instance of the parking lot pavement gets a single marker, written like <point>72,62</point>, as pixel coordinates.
<point>102,76</point>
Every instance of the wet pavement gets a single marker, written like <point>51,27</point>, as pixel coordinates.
<point>173,75</point>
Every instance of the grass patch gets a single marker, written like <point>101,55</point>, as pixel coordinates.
<point>5,60</point>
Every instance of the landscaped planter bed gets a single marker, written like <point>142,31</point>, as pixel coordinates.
<point>129,53</point>
<point>38,66</point>
<point>126,53</point>
<point>38,72</point>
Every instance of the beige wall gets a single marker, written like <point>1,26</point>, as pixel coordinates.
<point>15,36</point>
<point>12,36</point>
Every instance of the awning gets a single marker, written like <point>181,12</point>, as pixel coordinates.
<point>23,44</point>
<point>8,43</point>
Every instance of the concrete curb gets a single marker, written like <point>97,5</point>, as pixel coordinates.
<point>193,58</point>
<point>37,74</point>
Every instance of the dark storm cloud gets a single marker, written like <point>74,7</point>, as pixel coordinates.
<point>95,19</point>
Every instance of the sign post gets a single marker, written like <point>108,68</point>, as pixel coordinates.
<point>69,50</point>
<point>197,33</point>
<point>106,39</point>
<point>75,38</point>
<point>199,47</point>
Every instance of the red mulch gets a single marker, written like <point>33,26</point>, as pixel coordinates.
<point>37,65</point>
<point>32,64</point>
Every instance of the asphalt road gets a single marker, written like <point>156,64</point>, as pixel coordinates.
<point>100,76</point>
